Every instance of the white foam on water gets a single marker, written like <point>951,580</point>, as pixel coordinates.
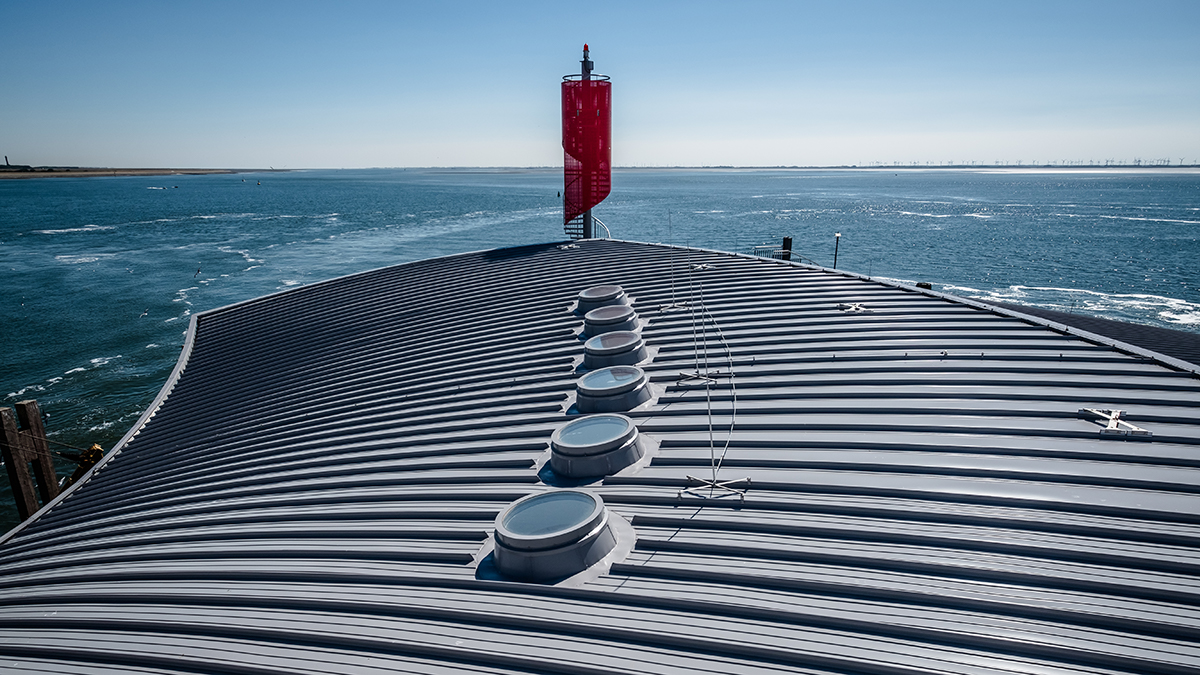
<point>75,370</point>
<point>1187,318</point>
<point>85,228</point>
<point>290,282</point>
<point>926,215</point>
<point>181,295</point>
<point>151,346</point>
<point>1109,305</point>
<point>83,258</point>
<point>103,360</point>
<point>22,392</point>
<point>894,280</point>
<point>242,252</point>
<point>1152,220</point>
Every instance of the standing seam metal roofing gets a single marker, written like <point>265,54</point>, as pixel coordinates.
<point>314,490</point>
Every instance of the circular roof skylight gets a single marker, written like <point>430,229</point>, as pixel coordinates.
<point>593,434</point>
<point>619,347</point>
<point>612,389</point>
<point>612,380</point>
<point>608,319</point>
<point>611,314</point>
<point>553,534</point>
<point>599,296</point>
<point>599,293</point>
<point>613,343</point>
<point>549,519</point>
<point>596,445</point>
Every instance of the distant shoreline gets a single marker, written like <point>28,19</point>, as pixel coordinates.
<point>88,172</point>
<point>15,171</point>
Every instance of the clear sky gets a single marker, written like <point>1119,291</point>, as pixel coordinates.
<point>365,84</point>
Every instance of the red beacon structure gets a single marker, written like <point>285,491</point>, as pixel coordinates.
<point>587,149</point>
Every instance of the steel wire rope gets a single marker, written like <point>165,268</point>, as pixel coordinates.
<point>732,393</point>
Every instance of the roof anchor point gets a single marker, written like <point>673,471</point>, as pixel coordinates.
<point>714,489</point>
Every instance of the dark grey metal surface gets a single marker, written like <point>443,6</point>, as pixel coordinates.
<point>314,490</point>
<point>1184,345</point>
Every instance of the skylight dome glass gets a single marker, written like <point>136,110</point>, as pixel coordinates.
<point>593,434</point>
<point>550,514</point>
<point>615,341</point>
<point>603,292</point>
<point>610,314</point>
<point>612,380</point>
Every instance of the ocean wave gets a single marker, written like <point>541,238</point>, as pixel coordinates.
<point>242,252</point>
<point>26,390</point>
<point>1152,220</point>
<point>83,258</point>
<point>181,295</point>
<point>211,216</point>
<point>926,215</point>
<point>85,228</point>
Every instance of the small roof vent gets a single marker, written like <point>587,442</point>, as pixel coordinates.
<point>601,296</point>
<point>608,319</point>
<point>551,535</point>
<point>596,445</point>
<point>616,348</point>
<point>612,389</point>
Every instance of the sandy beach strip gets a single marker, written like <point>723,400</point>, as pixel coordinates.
<point>59,172</point>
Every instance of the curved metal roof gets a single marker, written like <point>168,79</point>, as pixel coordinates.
<point>314,490</point>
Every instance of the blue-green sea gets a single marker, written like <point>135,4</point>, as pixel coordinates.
<point>99,276</point>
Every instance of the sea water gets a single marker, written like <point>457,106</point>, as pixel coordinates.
<point>100,275</point>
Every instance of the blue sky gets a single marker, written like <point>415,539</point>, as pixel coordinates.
<point>364,84</point>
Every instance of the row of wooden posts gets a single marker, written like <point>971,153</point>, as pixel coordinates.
<point>26,453</point>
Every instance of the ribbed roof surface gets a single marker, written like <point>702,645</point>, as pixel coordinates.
<point>314,489</point>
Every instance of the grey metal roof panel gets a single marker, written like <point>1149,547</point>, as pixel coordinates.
<point>314,488</point>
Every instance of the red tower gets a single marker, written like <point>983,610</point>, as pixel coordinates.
<point>587,151</point>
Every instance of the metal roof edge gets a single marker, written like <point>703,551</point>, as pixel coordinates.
<point>1163,359</point>
<point>180,364</point>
